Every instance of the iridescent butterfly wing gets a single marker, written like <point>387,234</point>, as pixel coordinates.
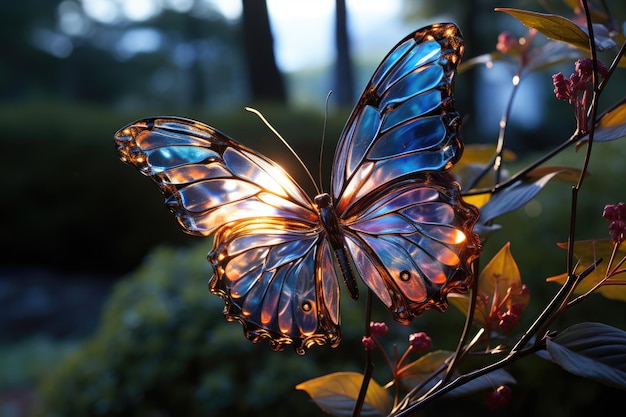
<point>271,264</point>
<point>400,215</point>
<point>406,226</point>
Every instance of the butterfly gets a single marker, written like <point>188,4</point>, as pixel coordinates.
<point>393,216</point>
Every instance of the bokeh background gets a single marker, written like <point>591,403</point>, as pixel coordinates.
<point>103,300</point>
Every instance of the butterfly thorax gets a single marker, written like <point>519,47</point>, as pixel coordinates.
<point>334,234</point>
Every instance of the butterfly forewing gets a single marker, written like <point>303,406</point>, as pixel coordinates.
<point>208,179</point>
<point>404,122</point>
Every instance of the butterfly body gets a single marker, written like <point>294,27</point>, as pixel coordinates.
<point>392,212</point>
<point>330,221</point>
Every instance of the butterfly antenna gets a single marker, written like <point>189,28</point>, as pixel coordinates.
<point>319,168</point>
<point>258,113</point>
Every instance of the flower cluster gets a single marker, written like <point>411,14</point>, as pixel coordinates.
<point>575,88</point>
<point>376,330</point>
<point>569,89</point>
<point>511,307</point>
<point>507,43</point>
<point>616,214</point>
<point>516,47</point>
<point>509,319</point>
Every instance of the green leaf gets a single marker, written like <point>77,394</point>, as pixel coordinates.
<point>337,393</point>
<point>561,29</point>
<point>591,350</point>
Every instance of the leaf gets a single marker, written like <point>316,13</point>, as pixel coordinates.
<point>499,274</point>
<point>587,252</point>
<point>422,368</point>
<point>477,200</point>
<point>513,197</point>
<point>484,59</point>
<point>591,350</point>
<point>563,173</point>
<point>485,382</point>
<point>550,54</point>
<point>494,282</point>
<point>482,154</point>
<point>611,125</point>
<point>472,165</point>
<point>460,301</point>
<point>561,29</point>
<point>337,393</point>
<point>485,230</point>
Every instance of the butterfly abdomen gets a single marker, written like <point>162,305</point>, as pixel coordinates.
<point>330,221</point>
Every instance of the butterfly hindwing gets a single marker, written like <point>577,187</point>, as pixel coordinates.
<point>279,282</point>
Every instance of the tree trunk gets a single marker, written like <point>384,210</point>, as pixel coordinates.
<point>344,75</point>
<point>266,82</point>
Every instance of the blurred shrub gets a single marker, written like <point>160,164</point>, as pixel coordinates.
<point>164,349</point>
<point>67,184</point>
<point>23,363</point>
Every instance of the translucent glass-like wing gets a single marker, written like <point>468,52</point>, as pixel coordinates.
<point>208,179</point>
<point>280,283</point>
<point>414,244</point>
<point>405,122</point>
<point>407,228</point>
<point>271,264</point>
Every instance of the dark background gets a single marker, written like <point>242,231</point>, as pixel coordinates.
<point>76,221</point>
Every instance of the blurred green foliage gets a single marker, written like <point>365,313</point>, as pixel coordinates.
<point>74,205</point>
<point>25,362</point>
<point>164,348</point>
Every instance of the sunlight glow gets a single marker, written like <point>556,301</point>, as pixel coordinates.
<point>140,10</point>
<point>459,237</point>
<point>72,21</point>
<point>104,11</point>
<point>180,6</point>
<point>229,8</point>
<point>303,30</point>
<point>138,40</point>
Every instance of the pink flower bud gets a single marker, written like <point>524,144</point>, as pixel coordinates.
<point>378,329</point>
<point>561,86</point>
<point>368,343</point>
<point>616,214</point>
<point>420,342</point>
